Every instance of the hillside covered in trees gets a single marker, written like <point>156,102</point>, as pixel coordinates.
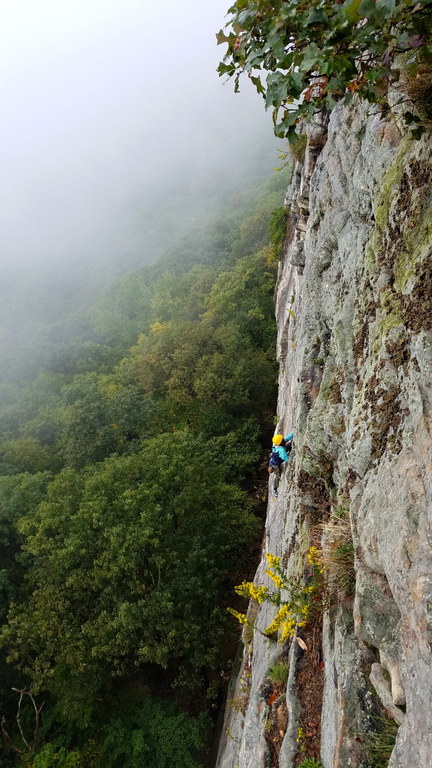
<point>130,500</point>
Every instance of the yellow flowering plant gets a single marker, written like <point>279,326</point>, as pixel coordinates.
<point>241,617</point>
<point>314,558</point>
<point>252,591</point>
<point>296,602</point>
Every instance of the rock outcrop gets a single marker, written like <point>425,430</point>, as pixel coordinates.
<point>354,315</point>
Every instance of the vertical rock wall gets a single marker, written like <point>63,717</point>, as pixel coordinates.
<point>354,317</point>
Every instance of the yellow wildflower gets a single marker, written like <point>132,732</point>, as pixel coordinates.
<point>282,614</point>
<point>314,556</point>
<point>273,561</point>
<point>241,617</point>
<point>278,580</point>
<point>251,590</point>
<point>288,630</point>
<point>259,593</point>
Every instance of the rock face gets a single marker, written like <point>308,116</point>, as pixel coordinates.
<point>354,317</point>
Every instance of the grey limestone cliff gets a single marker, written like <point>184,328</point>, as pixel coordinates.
<point>354,316</point>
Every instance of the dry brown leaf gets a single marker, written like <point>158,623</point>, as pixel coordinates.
<point>301,643</point>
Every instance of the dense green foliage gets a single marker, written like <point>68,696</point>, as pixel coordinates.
<point>127,509</point>
<point>138,541</point>
<point>317,52</point>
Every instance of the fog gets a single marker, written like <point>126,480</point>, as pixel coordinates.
<point>106,103</point>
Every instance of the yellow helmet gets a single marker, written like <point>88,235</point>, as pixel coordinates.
<point>277,439</point>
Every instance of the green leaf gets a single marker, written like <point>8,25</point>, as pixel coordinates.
<point>310,57</point>
<point>258,84</point>
<point>254,58</point>
<point>316,16</point>
<point>226,69</point>
<point>277,89</point>
<point>221,37</point>
<point>367,8</point>
<point>387,5</point>
<point>351,10</point>
<point>296,84</point>
<point>328,67</point>
<point>245,15</point>
<point>287,60</point>
<point>238,5</point>
<point>291,135</point>
<point>290,118</point>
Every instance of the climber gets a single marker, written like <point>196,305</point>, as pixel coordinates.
<point>283,445</point>
<point>281,450</point>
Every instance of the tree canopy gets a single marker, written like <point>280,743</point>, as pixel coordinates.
<point>129,507</point>
<point>314,53</point>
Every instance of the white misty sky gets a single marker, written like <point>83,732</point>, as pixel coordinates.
<point>98,98</point>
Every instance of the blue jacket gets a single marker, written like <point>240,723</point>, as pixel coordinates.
<point>280,449</point>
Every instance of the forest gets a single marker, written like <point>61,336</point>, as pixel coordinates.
<point>134,422</point>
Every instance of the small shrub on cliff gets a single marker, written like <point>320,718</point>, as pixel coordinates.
<point>338,554</point>
<point>298,148</point>
<point>317,52</point>
<point>297,603</point>
<point>380,742</point>
<point>310,762</point>
<point>278,672</point>
<point>277,230</point>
